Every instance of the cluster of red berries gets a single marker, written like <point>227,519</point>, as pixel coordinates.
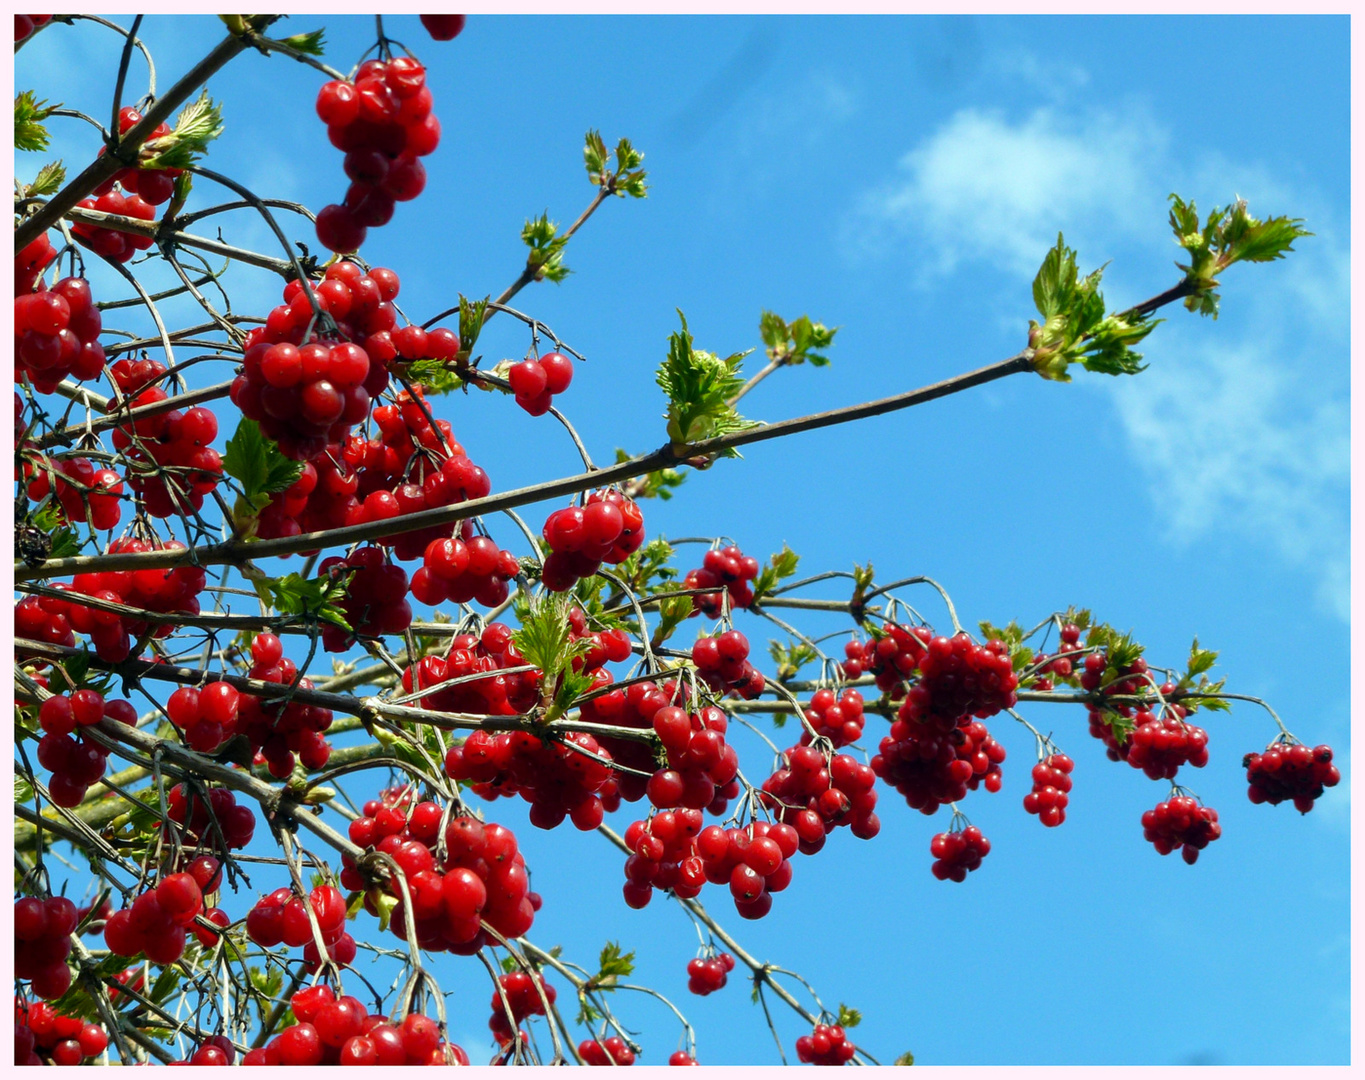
<point>559,779</point>
<point>79,486</point>
<point>1126,679</point>
<point>42,942</point>
<point>727,569</point>
<point>284,917</point>
<point>699,760</point>
<point>152,186</point>
<point>707,974</point>
<point>43,1036</point>
<point>525,993</point>
<point>608,528</point>
<point>156,924</point>
<point>483,876</point>
<point>815,796</point>
<point>375,602</point>
<point>1182,823</point>
<point>383,123</point>
<point>488,653</point>
<point>756,862</point>
<point>535,381</point>
<point>93,917</point>
<point>24,25</point>
<point>214,1050</point>
<point>170,464</point>
<point>76,763</point>
<point>1059,664</point>
<point>891,658</point>
<point>840,720</point>
<point>459,571</point>
<point>957,853</point>
<point>196,820</point>
<point>664,855</point>
<point>339,1031</point>
<point>30,263</point>
<point>613,1050</point>
<point>110,243</point>
<point>932,768</point>
<point>1160,746</point>
<point>1290,771</point>
<point>723,664</point>
<point>1051,787</point>
<point>173,591</point>
<point>56,334</point>
<point>827,1044</point>
<point>308,391</point>
<point>278,731</point>
<point>958,678</point>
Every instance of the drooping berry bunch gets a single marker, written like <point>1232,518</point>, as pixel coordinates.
<point>755,862</point>
<point>339,1031</point>
<point>535,381</point>
<point>203,823</point>
<point>56,335</point>
<point>608,528</point>
<point>959,678</point>
<point>526,995</point>
<point>308,391</point>
<point>723,664</point>
<point>157,923</point>
<point>1180,822</point>
<point>664,855</point>
<point>722,568</point>
<point>278,731</point>
<point>376,599</point>
<point>707,973</point>
<point>79,485</point>
<point>488,654</point>
<point>559,779</point>
<point>1160,745</point>
<point>76,763</point>
<point>699,760</point>
<point>42,942</point>
<point>170,464</point>
<point>31,262</point>
<point>483,876</point>
<point>633,706</point>
<point>43,1036</point>
<point>40,621</point>
<point>932,768</point>
<point>384,125</point>
<point>1285,770</point>
<point>110,243</point>
<point>840,720</point>
<point>815,796</point>
<point>957,853</point>
<point>283,916</point>
<point>1051,788</point>
<point>460,570</point>
<point>827,1044</point>
<point>171,591</point>
<point>613,1050</point>
<point>891,658</point>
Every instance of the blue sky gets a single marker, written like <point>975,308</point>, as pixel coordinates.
<point>902,178</point>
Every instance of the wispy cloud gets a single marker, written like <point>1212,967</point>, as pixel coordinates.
<point>1249,431</point>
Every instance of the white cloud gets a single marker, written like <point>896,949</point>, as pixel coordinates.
<point>1244,429</point>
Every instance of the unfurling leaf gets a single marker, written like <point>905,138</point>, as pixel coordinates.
<point>49,180</point>
<point>29,113</point>
<point>257,464</point>
<point>699,386</point>
<point>310,44</point>
<point>199,123</point>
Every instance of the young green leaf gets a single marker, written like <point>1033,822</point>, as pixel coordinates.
<point>699,386</point>
<point>199,123</point>
<point>317,597</point>
<point>795,343</point>
<point>49,180</point>
<point>434,376</point>
<point>29,113</point>
<point>848,1018</point>
<point>906,1058</point>
<point>594,156</point>
<point>780,566</point>
<point>310,44</point>
<point>471,323</point>
<point>545,259</point>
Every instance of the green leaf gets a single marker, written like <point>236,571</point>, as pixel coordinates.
<point>294,594</point>
<point>23,790</point>
<point>257,464</point>
<point>434,376</point>
<point>545,259</point>
<point>594,156</point>
<point>790,659</point>
<point>673,612</point>
<point>848,1018</point>
<point>29,112</point>
<point>699,386</point>
<point>906,1058</point>
<point>49,180</point>
<point>781,565</point>
<point>795,343</point>
<point>199,123</point>
<point>310,44</point>
<point>471,323</point>
<point>65,543</point>
<point>1201,660</point>
<point>613,963</point>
